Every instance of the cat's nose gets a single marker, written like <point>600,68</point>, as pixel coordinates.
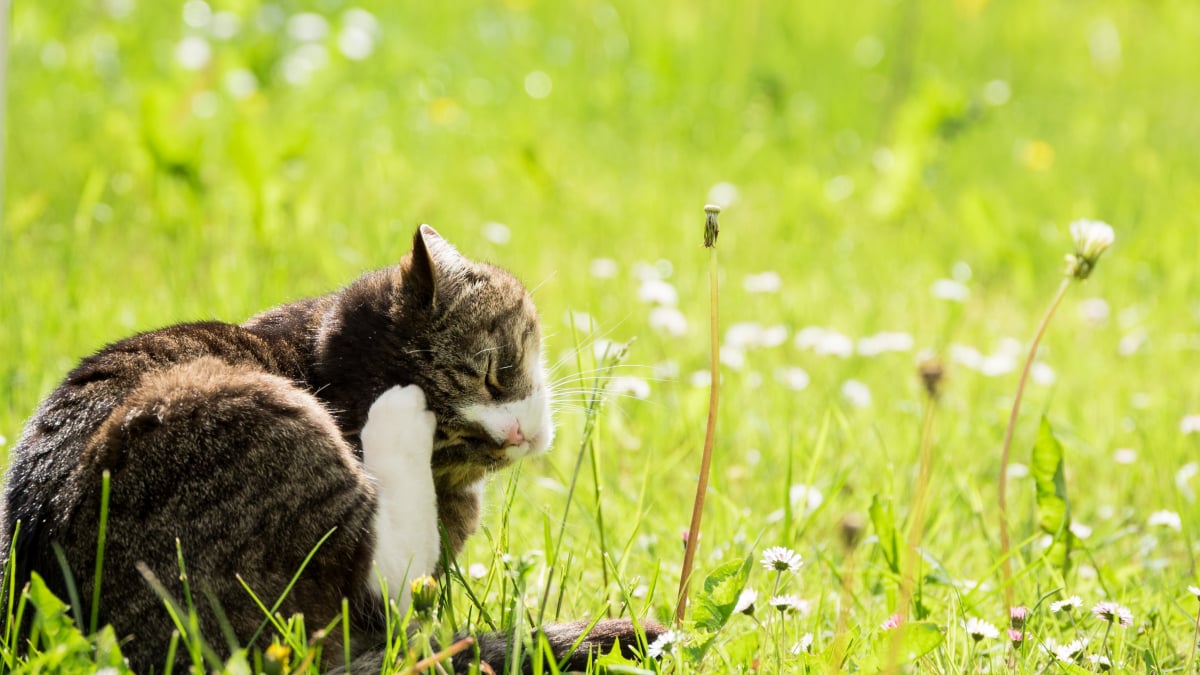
<point>513,435</point>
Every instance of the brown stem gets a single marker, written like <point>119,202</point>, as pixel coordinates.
<point>1002,500</point>
<point>689,553</point>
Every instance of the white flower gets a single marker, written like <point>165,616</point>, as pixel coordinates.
<point>665,644</point>
<point>790,604</point>
<point>749,334</point>
<point>1073,602</point>
<point>1092,238</point>
<point>856,393</point>
<point>1125,456</point>
<point>669,321</point>
<point>658,292</point>
<point>193,53</point>
<point>805,495</point>
<point>824,341</point>
<point>766,282</point>
<point>1165,518</point>
<point>1080,530</point>
<point>1190,424</point>
<point>497,233</point>
<point>628,385</point>
<point>745,602</point>
<point>781,559</point>
<point>1068,652</point>
<point>1100,661</point>
<point>979,629</point>
<point>1194,590</point>
<point>804,645</point>
<point>308,27</point>
<point>1113,613</point>
<point>949,289</point>
<point>794,377</point>
<point>477,570</point>
<point>888,341</point>
<point>604,268</point>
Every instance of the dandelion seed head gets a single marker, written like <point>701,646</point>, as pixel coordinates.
<point>1092,238</point>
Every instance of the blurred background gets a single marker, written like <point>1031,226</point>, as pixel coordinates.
<point>895,172</point>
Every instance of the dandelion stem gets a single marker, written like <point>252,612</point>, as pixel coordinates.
<point>689,555</point>
<point>1002,500</point>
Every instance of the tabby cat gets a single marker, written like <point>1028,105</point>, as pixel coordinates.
<point>371,414</point>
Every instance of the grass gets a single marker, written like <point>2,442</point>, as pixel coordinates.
<point>872,151</point>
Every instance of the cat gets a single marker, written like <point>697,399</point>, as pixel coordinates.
<point>368,418</point>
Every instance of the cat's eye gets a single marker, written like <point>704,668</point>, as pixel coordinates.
<point>493,387</point>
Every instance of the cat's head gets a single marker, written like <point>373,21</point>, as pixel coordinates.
<point>479,356</point>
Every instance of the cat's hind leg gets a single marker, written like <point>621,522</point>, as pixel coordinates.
<point>247,473</point>
<point>397,449</point>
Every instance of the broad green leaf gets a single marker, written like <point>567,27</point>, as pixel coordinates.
<point>614,661</point>
<point>719,597</point>
<point>1054,511</point>
<point>884,520</point>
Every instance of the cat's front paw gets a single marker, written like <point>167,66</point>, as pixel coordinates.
<point>399,425</point>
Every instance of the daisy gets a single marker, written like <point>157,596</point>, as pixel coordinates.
<point>781,559</point>
<point>979,629</point>
<point>1017,616</point>
<point>745,602</point>
<point>891,622</point>
<point>665,644</point>
<point>1112,612</point>
<point>789,604</point>
<point>1073,602</point>
<point>804,645</point>
<point>1100,661</point>
<point>1016,637</point>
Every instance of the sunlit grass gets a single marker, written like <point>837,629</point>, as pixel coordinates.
<point>861,156</point>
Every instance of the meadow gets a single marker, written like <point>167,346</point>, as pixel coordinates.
<point>897,180</point>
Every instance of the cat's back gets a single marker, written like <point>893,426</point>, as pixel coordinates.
<point>39,485</point>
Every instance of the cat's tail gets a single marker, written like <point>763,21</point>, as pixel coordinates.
<point>569,647</point>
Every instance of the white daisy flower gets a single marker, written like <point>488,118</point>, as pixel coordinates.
<point>1073,602</point>
<point>781,559</point>
<point>979,629</point>
<point>1113,613</point>
<point>665,644</point>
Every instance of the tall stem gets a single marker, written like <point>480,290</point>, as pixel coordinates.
<point>1002,500</point>
<point>709,435</point>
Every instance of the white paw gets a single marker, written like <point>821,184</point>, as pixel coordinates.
<point>399,425</point>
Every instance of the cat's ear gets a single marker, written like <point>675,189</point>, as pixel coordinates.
<point>435,268</point>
